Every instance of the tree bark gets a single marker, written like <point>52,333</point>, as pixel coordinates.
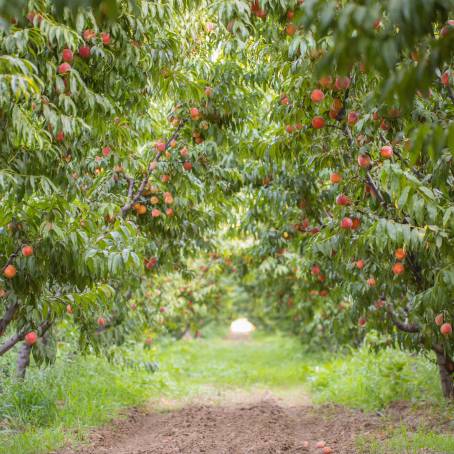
<point>446,369</point>
<point>23,361</point>
<point>9,314</point>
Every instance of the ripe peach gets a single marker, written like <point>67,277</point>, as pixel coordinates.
<point>444,78</point>
<point>360,264</point>
<point>398,268</point>
<point>439,319</point>
<point>84,52</point>
<point>371,282</point>
<point>165,178</point>
<point>194,113</point>
<point>106,151</point>
<point>88,34</point>
<point>356,223</point>
<point>105,38</point>
<point>317,95</point>
<point>364,161</point>
<point>290,29</point>
<point>184,152</point>
<point>101,321</point>
<point>352,118</point>
<point>387,151</point>
<point>400,254</point>
<point>31,338</point>
<point>342,83</point>
<point>289,129</point>
<point>67,55</point>
<point>27,251</point>
<point>346,223</point>
<point>160,145</point>
<point>69,309</point>
<point>64,68</point>
<point>446,329</point>
<point>169,212</point>
<point>318,122</point>
<point>187,166</point>
<point>284,100</point>
<point>335,178</point>
<point>10,271</point>
<point>155,213</point>
<point>343,200</point>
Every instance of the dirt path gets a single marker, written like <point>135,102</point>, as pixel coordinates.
<point>256,422</point>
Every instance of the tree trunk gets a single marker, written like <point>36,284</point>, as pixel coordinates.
<point>446,369</point>
<point>23,361</point>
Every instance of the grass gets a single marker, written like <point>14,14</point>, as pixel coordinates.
<point>402,441</point>
<point>60,404</point>
<point>371,381</point>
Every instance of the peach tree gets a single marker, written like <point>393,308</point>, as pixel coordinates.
<point>349,162</point>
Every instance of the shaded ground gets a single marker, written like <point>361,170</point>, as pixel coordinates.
<point>257,422</point>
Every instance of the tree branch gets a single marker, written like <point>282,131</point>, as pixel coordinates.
<point>144,182</point>
<point>9,314</point>
<point>406,327</point>
<point>11,258</point>
<point>12,341</point>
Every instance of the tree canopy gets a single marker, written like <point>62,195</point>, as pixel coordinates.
<point>317,135</point>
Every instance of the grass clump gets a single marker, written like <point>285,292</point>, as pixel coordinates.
<point>372,380</point>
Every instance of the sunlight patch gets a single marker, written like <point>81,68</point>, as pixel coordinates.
<point>241,326</point>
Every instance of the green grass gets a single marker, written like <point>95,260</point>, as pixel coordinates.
<point>60,404</point>
<point>402,441</point>
<point>273,361</point>
<point>371,381</point>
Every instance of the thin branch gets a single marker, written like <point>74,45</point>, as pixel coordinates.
<point>406,327</point>
<point>144,182</point>
<point>131,182</point>
<point>11,258</point>
<point>12,341</point>
<point>374,187</point>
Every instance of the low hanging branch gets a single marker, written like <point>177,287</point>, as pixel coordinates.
<point>406,327</point>
<point>19,336</point>
<point>143,184</point>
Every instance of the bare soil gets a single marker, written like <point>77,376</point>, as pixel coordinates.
<point>234,422</point>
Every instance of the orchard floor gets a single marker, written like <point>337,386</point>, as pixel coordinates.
<point>247,398</point>
<point>255,422</point>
